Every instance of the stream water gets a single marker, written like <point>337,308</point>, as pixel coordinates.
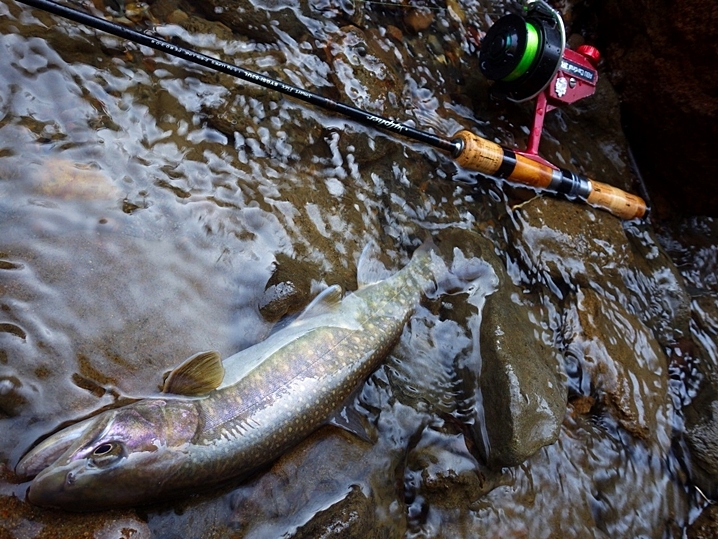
<point>150,209</point>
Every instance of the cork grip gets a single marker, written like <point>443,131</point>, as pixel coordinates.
<point>616,201</point>
<point>478,153</point>
<point>488,157</point>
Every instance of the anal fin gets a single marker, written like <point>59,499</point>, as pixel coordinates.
<point>349,419</point>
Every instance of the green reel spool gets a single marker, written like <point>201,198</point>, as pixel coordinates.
<point>522,54</point>
<point>529,55</point>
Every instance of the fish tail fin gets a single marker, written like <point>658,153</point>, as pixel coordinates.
<point>429,270</point>
<point>370,270</point>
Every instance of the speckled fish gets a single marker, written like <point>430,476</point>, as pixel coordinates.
<point>218,420</point>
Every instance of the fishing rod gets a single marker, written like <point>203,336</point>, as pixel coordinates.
<point>467,149</point>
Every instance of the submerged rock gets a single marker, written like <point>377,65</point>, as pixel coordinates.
<point>706,526</point>
<point>258,19</point>
<point>701,415</point>
<point>351,517</point>
<point>363,72</point>
<point>615,349</point>
<point>701,435</point>
<point>590,262</point>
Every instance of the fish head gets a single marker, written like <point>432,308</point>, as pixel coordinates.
<point>127,456</point>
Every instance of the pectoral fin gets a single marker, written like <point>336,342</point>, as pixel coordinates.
<point>197,376</point>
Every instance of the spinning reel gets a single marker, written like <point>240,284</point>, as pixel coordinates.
<point>526,57</point>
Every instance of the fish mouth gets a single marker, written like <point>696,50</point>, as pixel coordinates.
<point>52,448</point>
<point>49,451</point>
<point>47,488</point>
<point>56,487</point>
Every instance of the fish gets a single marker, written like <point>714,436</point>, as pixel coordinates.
<point>216,420</point>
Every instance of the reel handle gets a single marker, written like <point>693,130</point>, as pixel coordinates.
<point>476,153</point>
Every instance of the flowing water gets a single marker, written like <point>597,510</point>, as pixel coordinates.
<point>150,209</point>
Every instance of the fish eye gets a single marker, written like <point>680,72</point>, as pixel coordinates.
<point>102,450</point>
<point>107,453</point>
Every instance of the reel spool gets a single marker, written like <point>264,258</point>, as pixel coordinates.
<point>522,54</point>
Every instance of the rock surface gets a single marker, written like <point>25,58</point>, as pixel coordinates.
<point>522,382</point>
<point>661,59</point>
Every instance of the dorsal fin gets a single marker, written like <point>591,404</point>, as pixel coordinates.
<point>197,375</point>
<point>325,301</point>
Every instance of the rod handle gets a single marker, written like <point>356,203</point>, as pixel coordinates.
<point>476,153</point>
<point>616,201</point>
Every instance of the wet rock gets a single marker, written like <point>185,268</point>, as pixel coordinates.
<point>456,11</point>
<point>523,392</point>
<point>395,33</point>
<point>23,521</point>
<point>260,127</point>
<point>163,8</point>
<point>124,528</point>
<point>417,20</point>
<point>613,335</point>
<point>12,398</point>
<point>521,380</point>
<point>706,526</point>
<point>570,243</point>
<point>362,72</point>
<point>443,473</point>
<point>592,483</point>
<point>578,246</point>
<point>351,517</point>
<point>660,297</point>
<point>318,489</point>
<point>615,349</point>
<point>692,244</point>
<point>66,180</point>
<point>701,415</point>
<point>701,435</point>
<point>258,20</point>
<point>288,290</point>
<point>177,17</point>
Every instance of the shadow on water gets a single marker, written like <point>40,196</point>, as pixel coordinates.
<point>150,210</point>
